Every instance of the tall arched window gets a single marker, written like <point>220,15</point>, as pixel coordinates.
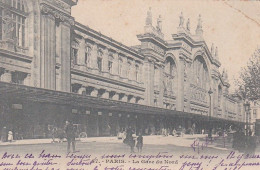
<point>120,65</point>
<point>201,75</point>
<point>136,72</point>
<point>74,52</point>
<point>99,59</point>
<point>12,21</point>
<point>219,96</point>
<point>110,63</point>
<point>87,54</point>
<point>170,73</point>
<point>128,69</point>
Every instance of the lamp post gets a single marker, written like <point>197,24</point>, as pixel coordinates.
<point>247,108</point>
<point>209,117</point>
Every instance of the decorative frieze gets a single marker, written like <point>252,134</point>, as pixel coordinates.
<point>59,16</point>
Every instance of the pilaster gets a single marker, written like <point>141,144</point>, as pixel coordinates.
<point>180,92</point>
<point>148,77</point>
<point>65,60</point>
<point>161,89</point>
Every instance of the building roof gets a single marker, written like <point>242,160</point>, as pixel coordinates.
<point>22,93</point>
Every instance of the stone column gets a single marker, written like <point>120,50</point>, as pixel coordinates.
<point>58,57</point>
<point>161,90</point>
<point>65,59</point>
<point>180,92</point>
<point>48,50</point>
<point>6,76</point>
<point>187,86</point>
<point>148,78</point>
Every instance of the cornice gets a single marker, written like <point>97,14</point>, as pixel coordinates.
<point>58,15</point>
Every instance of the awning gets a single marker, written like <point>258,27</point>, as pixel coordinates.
<point>10,91</point>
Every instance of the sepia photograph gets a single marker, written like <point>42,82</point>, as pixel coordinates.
<point>129,85</point>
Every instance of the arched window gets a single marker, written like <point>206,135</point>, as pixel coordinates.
<point>136,72</point>
<point>219,96</point>
<point>99,60</point>
<point>128,69</point>
<point>201,75</point>
<point>110,63</point>
<point>87,54</point>
<point>12,21</point>
<point>74,52</point>
<point>120,65</point>
<point>170,73</point>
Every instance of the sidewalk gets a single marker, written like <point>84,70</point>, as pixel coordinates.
<point>184,141</point>
<point>49,141</point>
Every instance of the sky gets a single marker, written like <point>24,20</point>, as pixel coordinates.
<point>233,26</point>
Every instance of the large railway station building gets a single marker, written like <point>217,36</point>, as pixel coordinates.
<point>54,69</point>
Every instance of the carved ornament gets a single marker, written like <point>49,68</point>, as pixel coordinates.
<point>45,9</point>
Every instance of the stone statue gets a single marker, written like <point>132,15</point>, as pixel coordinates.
<point>199,23</point>
<point>188,24</point>
<point>159,23</point>
<point>8,28</point>
<point>224,74</point>
<point>212,49</point>
<point>216,52</point>
<point>149,17</point>
<point>181,20</point>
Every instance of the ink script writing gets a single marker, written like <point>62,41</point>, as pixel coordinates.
<point>46,160</point>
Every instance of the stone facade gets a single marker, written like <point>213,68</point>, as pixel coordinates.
<point>50,50</point>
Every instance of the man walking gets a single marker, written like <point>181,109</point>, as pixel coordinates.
<point>70,133</point>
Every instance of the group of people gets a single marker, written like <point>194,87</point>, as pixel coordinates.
<point>244,143</point>
<point>6,135</point>
<point>130,140</point>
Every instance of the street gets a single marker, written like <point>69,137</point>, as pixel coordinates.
<point>162,152</point>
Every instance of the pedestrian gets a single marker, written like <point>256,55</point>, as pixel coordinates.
<point>132,143</point>
<point>10,136</point>
<point>70,133</point>
<point>129,140</point>
<point>4,134</point>
<point>139,144</point>
<point>53,134</point>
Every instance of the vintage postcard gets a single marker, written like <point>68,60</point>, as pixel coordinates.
<point>129,85</point>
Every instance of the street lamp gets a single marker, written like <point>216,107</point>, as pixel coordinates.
<point>209,117</point>
<point>247,108</point>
